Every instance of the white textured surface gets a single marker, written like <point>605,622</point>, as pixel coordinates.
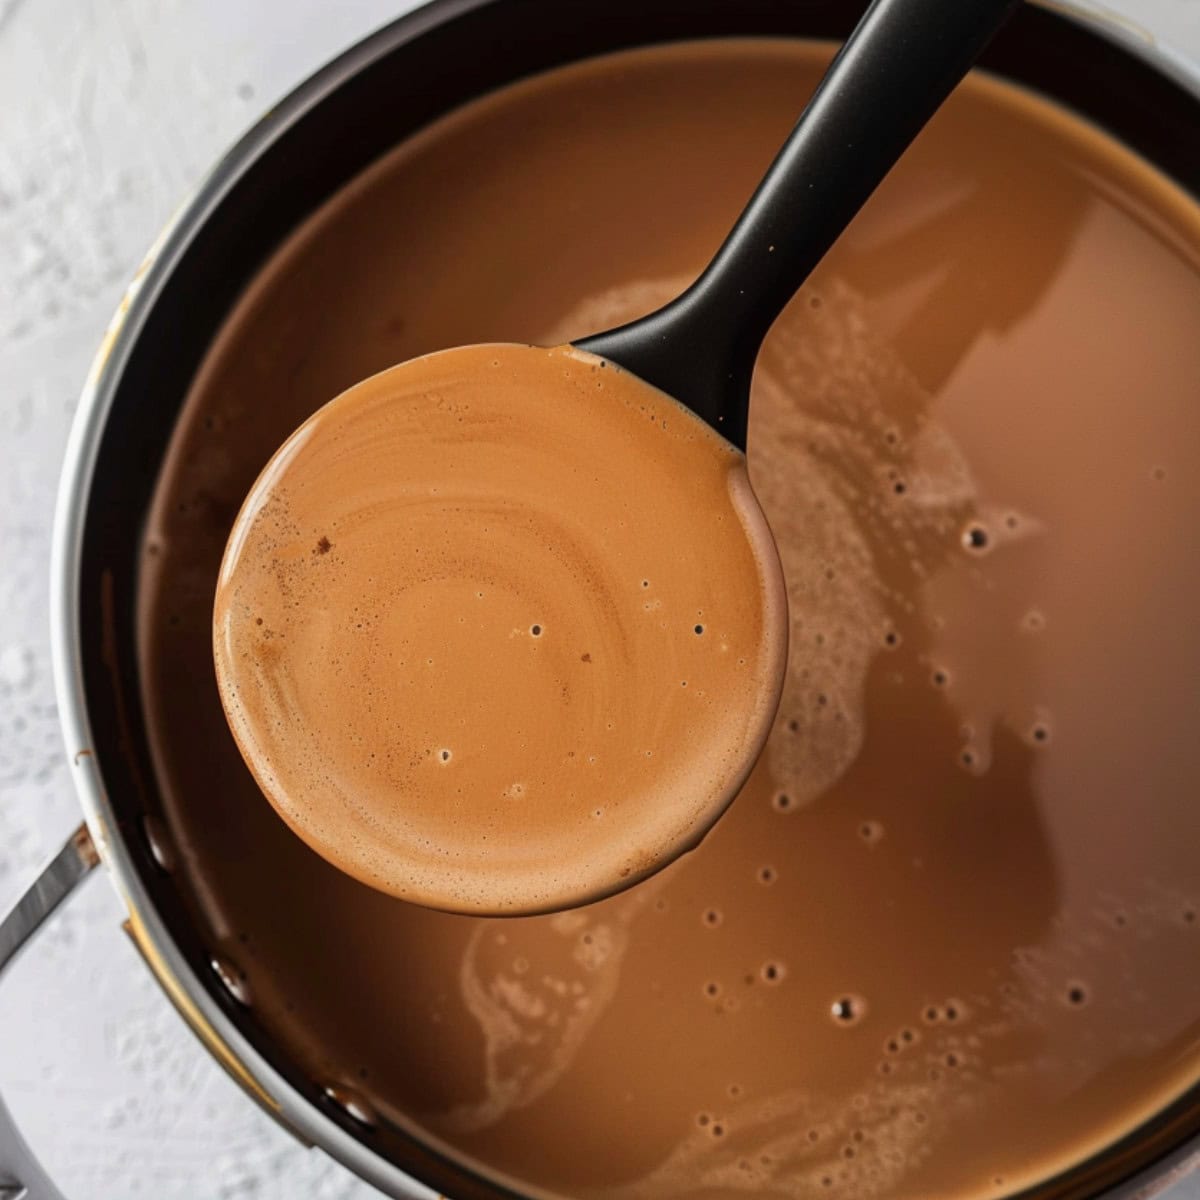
<point>110,110</point>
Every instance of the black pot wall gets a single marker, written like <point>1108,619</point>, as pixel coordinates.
<point>394,83</point>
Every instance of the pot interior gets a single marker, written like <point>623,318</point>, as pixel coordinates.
<point>400,85</point>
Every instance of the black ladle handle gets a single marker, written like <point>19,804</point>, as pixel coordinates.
<point>901,62</point>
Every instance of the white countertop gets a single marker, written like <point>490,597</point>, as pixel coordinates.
<point>110,110</point>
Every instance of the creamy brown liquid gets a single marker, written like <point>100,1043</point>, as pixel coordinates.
<point>945,942</point>
<point>501,629</point>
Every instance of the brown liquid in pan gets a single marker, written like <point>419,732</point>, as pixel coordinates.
<point>946,942</point>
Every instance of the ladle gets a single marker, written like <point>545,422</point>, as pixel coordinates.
<point>903,59</point>
<point>392,559</point>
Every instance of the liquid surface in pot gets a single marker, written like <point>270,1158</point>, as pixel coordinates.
<point>459,659</point>
<point>945,943</point>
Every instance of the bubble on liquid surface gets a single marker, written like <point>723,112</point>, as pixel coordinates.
<point>848,1010</point>
<point>1077,995</point>
<point>871,832</point>
<point>773,972</point>
<point>1034,621</point>
<point>974,759</point>
<point>1039,733</point>
<point>976,539</point>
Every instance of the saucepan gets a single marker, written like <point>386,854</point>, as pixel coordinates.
<point>309,146</point>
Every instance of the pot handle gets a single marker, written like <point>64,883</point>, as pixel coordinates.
<point>21,1176</point>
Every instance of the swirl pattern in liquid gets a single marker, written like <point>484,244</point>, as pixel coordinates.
<point>501,629</point>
